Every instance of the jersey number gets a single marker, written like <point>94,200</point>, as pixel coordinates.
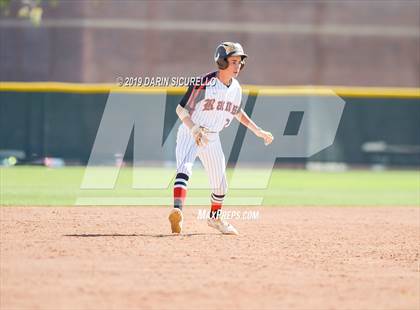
<point>227,123</point>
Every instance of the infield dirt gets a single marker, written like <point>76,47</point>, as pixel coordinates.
<point>289,258</point>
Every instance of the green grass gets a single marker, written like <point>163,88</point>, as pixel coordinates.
<point>44,186</point>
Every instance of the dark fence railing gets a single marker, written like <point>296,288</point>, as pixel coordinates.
<point>60,120</point>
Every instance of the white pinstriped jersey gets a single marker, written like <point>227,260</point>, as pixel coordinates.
<point>213,104</point>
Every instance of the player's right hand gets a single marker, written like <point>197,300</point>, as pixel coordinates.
<point>200,135</point>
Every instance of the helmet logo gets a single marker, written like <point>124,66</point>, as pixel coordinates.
<point>229,49</point>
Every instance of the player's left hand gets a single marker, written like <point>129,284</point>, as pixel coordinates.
<point>266,136</point>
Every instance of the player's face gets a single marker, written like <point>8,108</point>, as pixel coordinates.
<point>234,65</point>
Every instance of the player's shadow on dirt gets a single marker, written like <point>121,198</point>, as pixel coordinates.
<point>138,235</point>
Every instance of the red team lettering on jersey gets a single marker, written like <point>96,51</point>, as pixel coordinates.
<point>213,104</point>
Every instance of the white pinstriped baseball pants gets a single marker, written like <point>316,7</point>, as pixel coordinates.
<point>211,157</point>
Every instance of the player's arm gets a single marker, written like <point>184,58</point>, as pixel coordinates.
<point>245,120</point>
<point>181,109</point>
<point>184,115</point>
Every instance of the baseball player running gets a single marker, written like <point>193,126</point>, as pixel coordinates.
<point>206,109</point>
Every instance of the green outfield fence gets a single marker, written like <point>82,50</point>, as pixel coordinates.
<point>61,120</point>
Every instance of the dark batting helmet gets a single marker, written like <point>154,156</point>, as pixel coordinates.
<point>226,49</point>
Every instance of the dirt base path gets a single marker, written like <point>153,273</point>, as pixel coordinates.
<point>290,258</point>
